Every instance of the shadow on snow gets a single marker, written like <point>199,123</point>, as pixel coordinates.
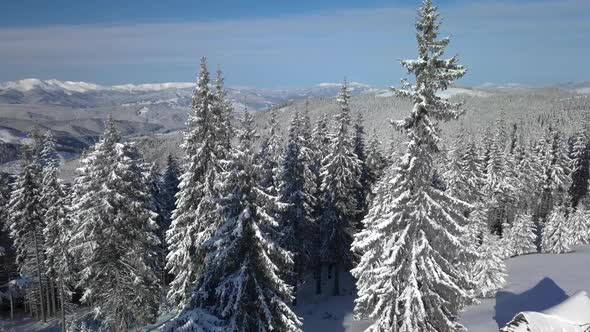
<point>544,295</point>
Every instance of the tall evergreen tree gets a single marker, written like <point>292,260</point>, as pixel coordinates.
<point>340,173</point>
<point>298,226</point>
<point>463,176</point>
<point>26,223</point>
<point>195,218</point>
<point>57,230</point>
<point>113,236</point>
<point>580,167</point>
<point>500,186</point>
<point>269,156</point>
<point>156,204</point>
<point>168,190</point>
<point>364,188</point>
<point>224,111</point>
<point>308,152</point>
<point>489,270</point>
<point>170,183</point>
<point>555,170</point>
<point>241,284</point>
<point>5,242</point>
<point>528,174</point>
<point>521,235</point>
<point>580,226</point>
<point>320,143</point>
<point>376,161</point>
<point>557,236</point>
<point>409,277</point>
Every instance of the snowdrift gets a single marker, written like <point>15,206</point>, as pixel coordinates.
<point>572,315</point>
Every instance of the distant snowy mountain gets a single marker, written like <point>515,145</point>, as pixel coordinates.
<point>33,83</point>
<point>173,94</point>
<point>75,111</point>
<point>577,87</point>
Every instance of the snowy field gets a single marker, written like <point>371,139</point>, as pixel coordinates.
<point>535,282</point>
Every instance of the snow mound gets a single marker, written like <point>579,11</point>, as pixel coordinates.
<point>572,315</point>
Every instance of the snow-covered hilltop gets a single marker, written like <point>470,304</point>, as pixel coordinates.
<point>69,93</point>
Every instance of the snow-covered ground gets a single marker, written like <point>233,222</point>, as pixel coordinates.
<point>535,282</point>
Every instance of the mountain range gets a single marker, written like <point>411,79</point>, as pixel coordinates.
<point>75,111</point>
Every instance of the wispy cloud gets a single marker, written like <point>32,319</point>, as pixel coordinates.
<point>527,39</point>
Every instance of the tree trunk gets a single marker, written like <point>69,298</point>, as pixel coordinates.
<point>10,299</point>
<point>61,300</point>
<point>318,279</point>
<point>53,298</point>
<point>296,279</point>
<point>41,300</point>
<point>47,297</point>
<point>336,280</point>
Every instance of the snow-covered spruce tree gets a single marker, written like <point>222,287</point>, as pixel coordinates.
<point>580,167</point>
<point>170,182</point>
<point>241,284</point>
<point>298,228</point>
<point>364,188</point>
<point>486,145</point>
<point>580,225</point>
<point>489,272</point>
<point>268,156</point>
<point>557,236</point>
<point>521,235</point>
<point>169,188</point>
<point>376,161</point>
<point>528,175</point>
<point>500,186</point>
<point>195,218</point>
<point>57,230</point>
<point>321,144</point>
<point>409,277</point>
<point>308,152</point>
<point>7,253</point>
<point>340,173</point>
<point>113,236</point>
<point>224,111</point>
<point>556,172</point>
<point>156,198</point>
<point>5,242</point>
<point>463,176</point>
<point>26,223</point>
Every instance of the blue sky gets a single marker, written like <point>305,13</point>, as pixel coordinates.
<point>281,43</point>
